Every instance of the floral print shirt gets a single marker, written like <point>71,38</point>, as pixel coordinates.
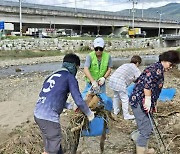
<point>152,78</point>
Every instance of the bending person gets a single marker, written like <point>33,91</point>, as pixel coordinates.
<point>145,94</point>
<point>52,101</point>
<point>119,81</point>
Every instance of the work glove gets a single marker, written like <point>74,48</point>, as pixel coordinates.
<point>101,81</point>
<point>147,103</point>
<point>94,85</point>
<point>91,116</point>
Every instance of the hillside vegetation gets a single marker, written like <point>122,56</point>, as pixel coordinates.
<point>170,11</point>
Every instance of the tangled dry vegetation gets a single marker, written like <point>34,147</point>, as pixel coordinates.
<point>26,138</point>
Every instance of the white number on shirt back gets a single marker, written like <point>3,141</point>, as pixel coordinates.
<point>51,83</point>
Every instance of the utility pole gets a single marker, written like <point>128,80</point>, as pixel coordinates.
<point>20,17</point>
<point>160,17</point>
<point>142,10</point>
<point>133,11</point>
<point>54,22</point>
<point>177,29</point>
<point>75,6</point>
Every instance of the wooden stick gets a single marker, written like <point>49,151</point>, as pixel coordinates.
<point>78,127</point>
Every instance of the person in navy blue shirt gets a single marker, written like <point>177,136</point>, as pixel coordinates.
<point>145,94</point>
<point>52,101</point>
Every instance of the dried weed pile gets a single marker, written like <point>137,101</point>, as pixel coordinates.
<point>26,139</point>
<point>168,122</point>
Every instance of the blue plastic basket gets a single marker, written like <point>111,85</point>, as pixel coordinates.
<point>95,127</point>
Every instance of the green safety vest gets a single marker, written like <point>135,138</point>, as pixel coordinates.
<point>96,71</point>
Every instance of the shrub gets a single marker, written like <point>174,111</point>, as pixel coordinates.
<point>84,49</point>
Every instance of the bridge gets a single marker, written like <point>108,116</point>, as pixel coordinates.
<point>80,20</point>
<point>171,40</point>
<point>171,37</point>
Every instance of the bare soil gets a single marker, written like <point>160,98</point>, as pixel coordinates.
<point>19,134</point>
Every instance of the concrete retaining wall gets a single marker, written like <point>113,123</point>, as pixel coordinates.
<point>66,45</point>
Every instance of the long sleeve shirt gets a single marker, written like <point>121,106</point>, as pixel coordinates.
<point>54,93</point>
<point>124,76</point>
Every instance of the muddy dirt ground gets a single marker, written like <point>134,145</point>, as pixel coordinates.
<point>19,134</point>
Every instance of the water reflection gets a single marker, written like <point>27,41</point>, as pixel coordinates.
<point>53,66</point>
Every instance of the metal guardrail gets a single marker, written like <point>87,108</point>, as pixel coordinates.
<point>77,10</point>
<point>171,37</point>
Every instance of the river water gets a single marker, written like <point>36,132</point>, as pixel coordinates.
<point>53,66</point>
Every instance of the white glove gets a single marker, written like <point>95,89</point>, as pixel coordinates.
<point>91,116</point>
<point>147,103</point>
<point>101,81</point>
<point>94,85</point>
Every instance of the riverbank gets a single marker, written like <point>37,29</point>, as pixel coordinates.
<point>19,94</point>
<point>123,53</point>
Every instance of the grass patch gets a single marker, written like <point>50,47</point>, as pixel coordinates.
<point>84,49</point>
<point>27,54</point>
<point>132,49</point>
<point>92,38</point>
<point>76,38</point>
<point>178,49</point>
<point>17,54</point>
<point>15,37</point>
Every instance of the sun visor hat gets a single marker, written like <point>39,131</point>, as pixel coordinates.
<point>99,42</point>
